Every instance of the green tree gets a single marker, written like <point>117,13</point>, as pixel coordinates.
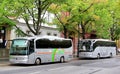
<point>108,24</point>
<point>114,29</point>
<point>3,20</point>
<point>62,18</point>
<point>33,10</point>
<point>78,15</point>
<point>89,15</point>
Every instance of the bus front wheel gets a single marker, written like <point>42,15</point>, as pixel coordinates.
<point>98,56</point>
<point>111,55</point>
<point>37,61</point>
<point>62,59</point>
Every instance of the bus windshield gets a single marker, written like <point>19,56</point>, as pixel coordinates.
<point>85,46</point>
<point>19,47</point>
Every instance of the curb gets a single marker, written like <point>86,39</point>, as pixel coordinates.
<point>4,59</point>
<point>5,64</point>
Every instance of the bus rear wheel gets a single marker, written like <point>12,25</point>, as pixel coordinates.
<point>62,59</point>
<point>37,61</point>
<point>98,56</point>
<point>111,55</point>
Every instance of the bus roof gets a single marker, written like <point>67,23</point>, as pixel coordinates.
<point>41,37</point>
<point>51,38</point>
<point>28,38</point>
<point>94,40</point>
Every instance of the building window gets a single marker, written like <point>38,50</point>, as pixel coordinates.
<point>28,32</point>
<point>48,33</point>
<point>39,33</point>
<point>55,34</point>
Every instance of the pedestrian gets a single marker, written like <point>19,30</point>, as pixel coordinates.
<point>1,40</point>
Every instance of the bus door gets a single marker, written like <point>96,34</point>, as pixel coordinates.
<point>31,51</point>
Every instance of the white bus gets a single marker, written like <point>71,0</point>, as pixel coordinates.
<point>37,50</point>
<point>96,48</point>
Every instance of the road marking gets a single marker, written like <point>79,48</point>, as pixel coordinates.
<point>95,71</point>
<point>38,72</point>
<point>61,68</point>
<point>53,69</point>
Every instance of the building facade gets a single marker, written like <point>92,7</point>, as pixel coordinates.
<point>44,30</point>
<point>6,35</point>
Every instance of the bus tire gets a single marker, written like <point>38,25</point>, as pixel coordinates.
<point>38,61</point>
<point>111,55</point>
<point>62,59</point>
<point>98,56</point>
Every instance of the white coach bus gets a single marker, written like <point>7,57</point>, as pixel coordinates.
<point>96,48</point>
<point>37,50</point>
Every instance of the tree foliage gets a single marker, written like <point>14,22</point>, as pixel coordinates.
<point>100,15</point>
<point>90,15</point>
<point>30,10</point>
<point>3,19</point>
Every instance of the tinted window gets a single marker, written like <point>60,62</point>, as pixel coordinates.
<point>42,43</point>
<point>65,43</point>
<point>104,43</point>
<point>46,43</point>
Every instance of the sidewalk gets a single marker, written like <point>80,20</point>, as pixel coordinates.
<point>4,61</point>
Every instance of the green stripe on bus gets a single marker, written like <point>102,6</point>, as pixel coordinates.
<point>56,51</point>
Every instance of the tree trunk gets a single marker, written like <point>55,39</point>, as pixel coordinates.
<point>65,31</point>
<point>83,31</point>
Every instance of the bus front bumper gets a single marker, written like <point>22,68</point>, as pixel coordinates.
<point>86,55</point>
<point>18,60</point>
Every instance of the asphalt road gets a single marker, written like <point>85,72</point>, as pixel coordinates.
<point>80,66</point>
